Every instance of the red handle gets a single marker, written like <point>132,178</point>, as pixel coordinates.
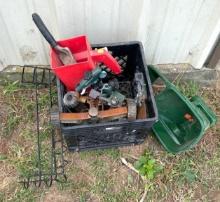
<point>107,59</point>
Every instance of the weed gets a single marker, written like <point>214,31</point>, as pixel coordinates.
<point>147,166</point>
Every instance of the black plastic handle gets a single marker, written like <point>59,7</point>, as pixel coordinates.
<point>43,29</point>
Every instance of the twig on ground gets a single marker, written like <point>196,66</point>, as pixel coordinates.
<point>144,196</point>
<point>130,166</point>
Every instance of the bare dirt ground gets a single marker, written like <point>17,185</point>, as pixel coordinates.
<point>100,175</point>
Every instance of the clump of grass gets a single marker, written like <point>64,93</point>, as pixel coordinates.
<point>28,107</point>
<point>10,124</point>
<point>21,160</point>
<point>45,132</point>
<point>26,160</point>
<point>185,171</point>
<point>189,89</point>
<point>25,195</point>
<point>113,153</point>
<point>82,197</point>
<point>19,107</point>
<point>103,183</point>
<point>44,98</point>
<point>11,87</point>
<point>27,163</point>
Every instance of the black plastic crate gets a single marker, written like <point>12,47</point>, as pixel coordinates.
<point>113,134</point>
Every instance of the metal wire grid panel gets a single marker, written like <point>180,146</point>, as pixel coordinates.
<point>42,77</point>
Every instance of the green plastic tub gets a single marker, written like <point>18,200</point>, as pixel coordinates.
<point>182,122</point>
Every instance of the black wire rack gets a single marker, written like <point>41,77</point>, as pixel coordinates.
<point>43,77</point>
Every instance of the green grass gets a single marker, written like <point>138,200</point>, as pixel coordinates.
<point>20,107</point>
<point>103,183</point>
<point>24,195</point>
<point>2,196</point>
<point>26,162</point>
<point>11,123</point>
<point>188,89</point>
<point>23,163</point>
<point>112,153</point>
<point>185,171</point>
<point>28,108</point>
<point>11,87</point>
<point>44,98</point>
<point>99,175</point>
